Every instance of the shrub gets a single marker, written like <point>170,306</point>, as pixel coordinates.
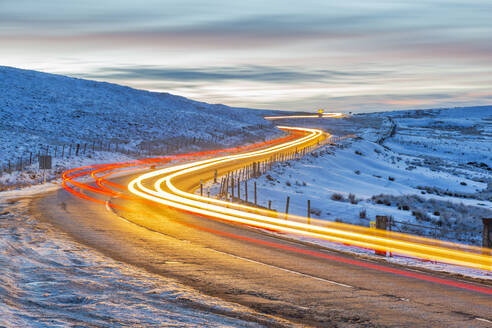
<point>352,199</point>
<point>337,197</point>
<point>362,214</point>
<point>357,172</point>
<point>391,179</point>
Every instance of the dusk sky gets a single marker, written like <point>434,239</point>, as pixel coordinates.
<point>294,55</point>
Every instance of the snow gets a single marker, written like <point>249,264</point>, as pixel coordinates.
<point>447,191</point>
<point>42,113</point>
<point>437,162</point>
<point>49,280</point>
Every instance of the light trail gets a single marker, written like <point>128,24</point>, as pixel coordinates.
<point>69,177</point>
<point>324,115</point>
<point>165,192</point>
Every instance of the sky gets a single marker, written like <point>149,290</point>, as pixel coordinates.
<point>346,55</point>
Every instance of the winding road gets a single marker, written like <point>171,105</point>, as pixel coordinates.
<point>147,213</point>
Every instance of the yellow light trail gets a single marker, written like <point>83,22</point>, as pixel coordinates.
<point>324,115</point>
<point>167,193</point>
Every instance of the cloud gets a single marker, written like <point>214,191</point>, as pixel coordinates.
<point>244,73</point>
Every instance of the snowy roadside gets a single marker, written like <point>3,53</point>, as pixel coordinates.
<point>49,280</point>
<point>426,190</point>
<point>81,122</point>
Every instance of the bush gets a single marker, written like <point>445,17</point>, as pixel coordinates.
<point>357,172</point>
<point>352,199</point>
<point>358,153</point>
<point>391,179</point>
<point>337,197</point>
<point>362,214</point>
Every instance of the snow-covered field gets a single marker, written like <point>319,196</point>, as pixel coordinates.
<point>429,170</point>
<point>47,279</point>
<point>406,177</point>
<point>45,113</point>
<point>431,175</point>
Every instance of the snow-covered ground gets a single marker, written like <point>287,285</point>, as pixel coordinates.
<point>45,113</point>
<point>431,185</point>
<point>430,173</point>
<point>47,280</point>
<point>429,168</point>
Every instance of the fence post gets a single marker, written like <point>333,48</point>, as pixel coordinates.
<point>77,150</point>
<point>382,224</point>
<point>287,207</point>
<point>309,211</point>
<point>487,232</point>
<point>201,187</point>
<point>246,190</point>
<point>269,204</point>
<point>215,176</point>
<point>239,188</point>
<point>255,194</point>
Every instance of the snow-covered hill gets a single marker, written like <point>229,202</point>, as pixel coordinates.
<point>40,111</point>
<point>432,174</point>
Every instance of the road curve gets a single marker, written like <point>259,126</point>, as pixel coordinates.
<point>302,283</point>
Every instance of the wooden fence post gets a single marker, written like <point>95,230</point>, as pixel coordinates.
<point>287,207</point>
<point>487,232</point>
<point>382,224</point>
<point>309,211</point>
<point>255,194</point>
<point>238,188</point>
<point>246,190</point>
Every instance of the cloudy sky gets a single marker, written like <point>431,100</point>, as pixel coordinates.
<point>297,55</point>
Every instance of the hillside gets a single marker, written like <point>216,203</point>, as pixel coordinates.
<point>47,113</point>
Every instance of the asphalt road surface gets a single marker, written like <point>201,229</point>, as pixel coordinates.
<point>302,283</point>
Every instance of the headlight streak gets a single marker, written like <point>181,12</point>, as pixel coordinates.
<point>325,115</point>
<point>363,237</point>
<point>70,175</point>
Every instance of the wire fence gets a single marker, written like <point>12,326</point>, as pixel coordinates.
<point>172,145</point>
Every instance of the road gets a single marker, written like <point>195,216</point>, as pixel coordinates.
<point>302,283</point>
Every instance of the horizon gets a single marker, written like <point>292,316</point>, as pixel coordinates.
<point>352,57</point>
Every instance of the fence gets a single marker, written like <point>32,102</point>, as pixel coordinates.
<point>173,145</point>
<point>433,231</point>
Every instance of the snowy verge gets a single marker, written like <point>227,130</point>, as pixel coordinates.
<point>49,280</point>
